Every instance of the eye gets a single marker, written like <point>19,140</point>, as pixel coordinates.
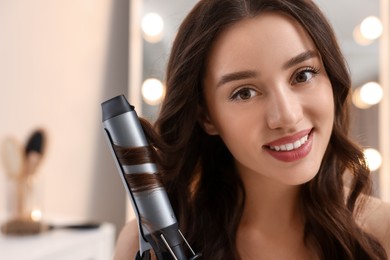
<point>244,94</point>
<point>305,75</point>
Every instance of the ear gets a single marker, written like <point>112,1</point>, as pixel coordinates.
<point>205,121</point>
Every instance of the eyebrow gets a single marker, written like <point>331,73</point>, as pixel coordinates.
<point>245,74</point>
<point>236,76</point>
<point>300,58</point>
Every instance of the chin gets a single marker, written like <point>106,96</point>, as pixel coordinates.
<point>299,178</point>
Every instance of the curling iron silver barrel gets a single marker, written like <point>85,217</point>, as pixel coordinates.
<point>158,227</point>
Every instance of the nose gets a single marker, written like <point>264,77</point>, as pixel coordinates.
<point>285,109</point>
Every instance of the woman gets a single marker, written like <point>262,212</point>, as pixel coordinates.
<point>258,172</point>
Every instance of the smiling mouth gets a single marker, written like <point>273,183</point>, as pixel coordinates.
<point>290,146</point>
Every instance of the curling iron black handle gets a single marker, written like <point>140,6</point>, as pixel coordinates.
<point>145,255</point>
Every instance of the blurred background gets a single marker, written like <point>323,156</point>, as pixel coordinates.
<point>60,59</point>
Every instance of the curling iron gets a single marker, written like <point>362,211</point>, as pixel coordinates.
<point>157,224</point>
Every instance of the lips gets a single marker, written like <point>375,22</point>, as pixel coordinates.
<point>291,148</point>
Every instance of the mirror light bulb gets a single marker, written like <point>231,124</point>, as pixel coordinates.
<point>371,28</point>
<point>359,38</point>
<point>152,91</point>
<point>371,93</point>
<point>152,27</point>
<point>367,95</point>
<point>373,158</point>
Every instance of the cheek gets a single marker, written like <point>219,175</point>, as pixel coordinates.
<point>235,123</point>
<point>329,104</point>
<point>324,111</point>
<point>322,102</point>
<point>240,133</point>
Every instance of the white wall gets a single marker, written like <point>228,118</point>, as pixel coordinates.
<point>58,61</point>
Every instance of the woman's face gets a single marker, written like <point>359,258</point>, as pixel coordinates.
<point>269,98</point>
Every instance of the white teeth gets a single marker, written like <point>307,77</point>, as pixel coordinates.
<point>290,146</point>
<point>297,144</point>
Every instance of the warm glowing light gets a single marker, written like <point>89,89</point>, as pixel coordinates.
<point>36,215</point>
<point>152,91</point>
<point>371,28</point>
<point>371,93</point>
<point>373,159</point>
<point>152,27</point>
<point>357,101</point>
<point>367,95</point>
<point>359,38</point>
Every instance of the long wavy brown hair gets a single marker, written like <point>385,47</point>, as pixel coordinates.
<point>205,190</point>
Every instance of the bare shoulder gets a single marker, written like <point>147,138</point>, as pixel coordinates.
<point>375,219</point>
<point>127,243</point>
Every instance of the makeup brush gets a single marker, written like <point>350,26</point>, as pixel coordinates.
<point>34,152</point>
<point>20,167</point>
